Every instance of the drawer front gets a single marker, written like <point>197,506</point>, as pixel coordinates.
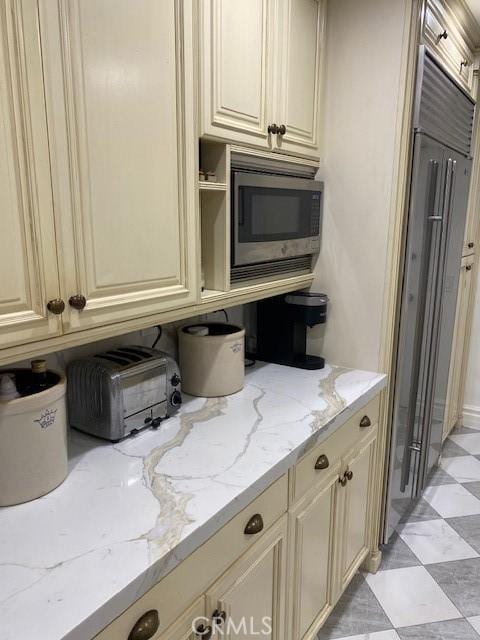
<point>318,463</point>
<point>446,43</point>
<point>171,597</point>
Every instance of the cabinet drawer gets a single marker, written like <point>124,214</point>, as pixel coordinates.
<point>447,44</point>
<point>174,593</point>
<point>305,474</point>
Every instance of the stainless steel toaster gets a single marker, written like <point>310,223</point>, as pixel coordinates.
<point>115,394</point>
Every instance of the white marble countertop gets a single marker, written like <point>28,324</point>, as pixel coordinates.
<point>73,560</point>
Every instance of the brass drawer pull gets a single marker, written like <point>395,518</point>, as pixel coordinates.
<point>282,130</point>
<point>272,128</point>
<point>203,632</point>
<point>254,525</point>
<point>471,245</point>
<point>365,422</point>
<point>146,626</point>
<point>322,462</point>
<point>443,35</point>
<point>56,306</point>
<point>468,267</point>
<point>343,480</point>
<point>349,474</point>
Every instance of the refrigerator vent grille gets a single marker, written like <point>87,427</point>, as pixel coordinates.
<point>444,111</point>
<point>289,266</point>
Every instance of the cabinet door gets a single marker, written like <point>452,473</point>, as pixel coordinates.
<point>453,403</point>
<point>298,87</point>
<point>450,49</point>
<point>354,510</point>
<point>311,558</point>
<point>28,263</point>
<point>237,50</point>
<point>252,593</point>
<point>120,114</point>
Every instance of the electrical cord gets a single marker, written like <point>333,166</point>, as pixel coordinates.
<point>159,335</point>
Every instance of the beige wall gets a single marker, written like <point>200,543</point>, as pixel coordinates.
<point>363,94</point>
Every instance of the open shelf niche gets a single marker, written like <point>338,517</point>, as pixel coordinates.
<point>215,219</point>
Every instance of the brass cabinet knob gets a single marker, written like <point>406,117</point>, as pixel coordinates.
<point>443,35</point>
<point>365,422</point>
<point>78,302</point>
<point>343,480</point>
<point>146,626</point>
<point>471,245</point>
<point>56,306</point>
<point>218,616</point>
<point>322,462</point>
<point>204,632</point>
<point>468,267</point>
<point>349,474</point>
<point>272,128</point>
<point>465,63</point>
<point>282,130</point>
<point>254,525</point>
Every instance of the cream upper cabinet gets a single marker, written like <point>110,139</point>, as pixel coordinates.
<point>449,42</point>
<point>298,88</point>
<point>354,509</point>
<point>121,126</point>
<point>237,48</point>
<point>28,260</point>
<point>261,73</point>
<point>251,595</point>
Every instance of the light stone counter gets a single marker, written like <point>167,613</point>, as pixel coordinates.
<point>128,513</point>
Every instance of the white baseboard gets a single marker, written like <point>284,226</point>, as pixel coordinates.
<point>471,416</point>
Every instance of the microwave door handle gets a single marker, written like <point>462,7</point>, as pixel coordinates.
<point>241,212</point>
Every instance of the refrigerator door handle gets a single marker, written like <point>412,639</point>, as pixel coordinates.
<point>435,329</point>
<point>432,214</point>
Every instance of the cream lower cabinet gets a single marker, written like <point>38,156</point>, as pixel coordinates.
<point>250,597</point>
<point>353,510</point>
<point>261,71</point>
<point>331,528</point>
<point>120,109</point>
<point>189,625</point>
<point>453,409</point>
<point>28,257</point>
<point>311,553</point>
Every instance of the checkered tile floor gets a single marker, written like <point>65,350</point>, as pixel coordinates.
<point>428,587</point>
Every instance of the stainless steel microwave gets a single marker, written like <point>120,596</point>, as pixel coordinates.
<point>275,218</point>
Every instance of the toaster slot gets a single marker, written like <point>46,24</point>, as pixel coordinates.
<point>136,351</point>
<point>105,356</point>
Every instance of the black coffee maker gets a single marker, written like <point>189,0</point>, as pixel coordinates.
<point>282,324</point>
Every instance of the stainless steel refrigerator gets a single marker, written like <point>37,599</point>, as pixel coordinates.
<point>440,179</point>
